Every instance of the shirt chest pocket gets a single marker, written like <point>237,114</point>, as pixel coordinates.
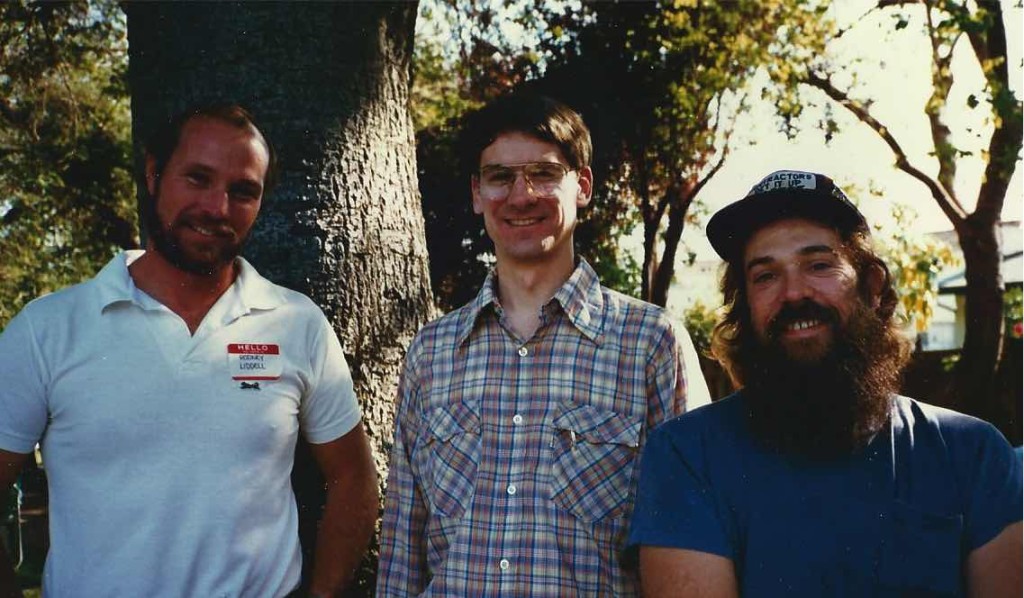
<point>593,460</point>
<point>922,553</point>
<point>448,456</point>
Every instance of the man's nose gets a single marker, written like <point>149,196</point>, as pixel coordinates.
<point>521,190</point>
<point>796,288</point>
<point>215,203</point>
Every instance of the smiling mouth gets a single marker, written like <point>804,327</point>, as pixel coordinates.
<point>803,325</point>
<point>216,231</point>
<point>522,221</point>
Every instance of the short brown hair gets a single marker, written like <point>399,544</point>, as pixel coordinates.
<point>164,140</point>
<point>535,115</point>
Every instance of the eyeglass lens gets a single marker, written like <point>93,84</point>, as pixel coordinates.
<point>541,178</point>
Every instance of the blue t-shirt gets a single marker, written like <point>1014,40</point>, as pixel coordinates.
<point>898,517</point>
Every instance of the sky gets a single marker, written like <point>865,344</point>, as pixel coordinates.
<point>898,79</point>
<point>895,75</point>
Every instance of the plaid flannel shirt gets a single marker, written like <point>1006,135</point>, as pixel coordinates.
<point>514,466</point>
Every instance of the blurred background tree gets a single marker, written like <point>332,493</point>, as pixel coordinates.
<point>67,201</point>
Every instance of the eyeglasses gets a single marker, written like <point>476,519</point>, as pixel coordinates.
<point>542,178</point>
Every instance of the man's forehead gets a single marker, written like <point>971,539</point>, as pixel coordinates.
<point>204,138</point>
<point>519,146</point>
<point>791,236</point>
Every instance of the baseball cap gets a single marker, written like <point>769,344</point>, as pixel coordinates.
<point>782,194</point>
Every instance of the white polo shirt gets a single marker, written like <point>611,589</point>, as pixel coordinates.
<point>169,454</point>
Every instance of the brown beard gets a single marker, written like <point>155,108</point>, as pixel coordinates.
<point>831,406</point>
<point>166,242</point>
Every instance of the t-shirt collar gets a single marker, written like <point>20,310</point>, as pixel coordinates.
<point>115,285</point>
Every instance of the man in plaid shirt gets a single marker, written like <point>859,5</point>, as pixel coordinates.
<point>521,415</point>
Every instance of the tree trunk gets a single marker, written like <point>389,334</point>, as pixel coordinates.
<point>649,269</point>
<point>329,83</point>
<point>974,381</point>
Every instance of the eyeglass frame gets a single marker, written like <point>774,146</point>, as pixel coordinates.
<point>520,169</point>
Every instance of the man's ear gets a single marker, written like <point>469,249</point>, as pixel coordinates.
<point>874,282</point>
<point>151,174</point>
<point>586,190</point>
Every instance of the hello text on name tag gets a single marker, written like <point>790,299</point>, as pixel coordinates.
<point>254,361</point>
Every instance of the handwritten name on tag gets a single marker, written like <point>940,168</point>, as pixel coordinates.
<point>254,361</point>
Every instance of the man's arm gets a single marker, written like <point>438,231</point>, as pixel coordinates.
<point>994,568</point>
<point>11,465</point>
<point>349,513</point>
<point>671,572</point>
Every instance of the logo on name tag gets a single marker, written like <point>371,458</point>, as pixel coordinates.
<point>254,361</point>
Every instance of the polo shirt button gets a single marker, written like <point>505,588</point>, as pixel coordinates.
<point>517,419</point>
<point>511,489</point>
<point>523,351</point>
<point>503,564</point>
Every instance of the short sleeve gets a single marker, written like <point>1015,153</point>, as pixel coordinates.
<point>676,508</point>
<point>23,375</point>
<point>995,492</point>
<point>329,410</point>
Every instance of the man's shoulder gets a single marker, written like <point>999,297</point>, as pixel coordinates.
<point>713,419</point>
<point>295,299</point>
<point>616,301</point>
<point>913,413</point>
<point>63,301</point>
<point>622,312</point>
<point>444,330</point>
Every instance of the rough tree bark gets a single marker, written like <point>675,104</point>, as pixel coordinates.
<point>330,84</point>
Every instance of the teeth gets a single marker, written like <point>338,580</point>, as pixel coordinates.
<point>803,324</point>
<point>523,221</point>
<point>201,230</point>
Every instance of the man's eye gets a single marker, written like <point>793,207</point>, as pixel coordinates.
<point>245,194</point>
<point>498,176</point>
<point>196,178</point>
<point>819,266</point>
<point>545,174</point>
<point>762,277</point>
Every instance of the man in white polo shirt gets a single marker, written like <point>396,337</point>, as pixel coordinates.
<point>168,393</point>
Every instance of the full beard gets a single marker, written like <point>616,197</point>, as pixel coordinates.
<point>824,402</point>
<point>220,252</point>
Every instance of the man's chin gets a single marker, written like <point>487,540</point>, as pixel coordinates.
<point>804,352</point>
<point>204,262</point>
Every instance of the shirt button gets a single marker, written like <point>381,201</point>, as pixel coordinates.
<point>523,352</point>
<point>517,419</point>
<point>511,489</point>
<point>503,564</point>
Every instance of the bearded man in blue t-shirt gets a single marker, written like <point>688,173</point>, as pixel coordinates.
<point>816,478</point>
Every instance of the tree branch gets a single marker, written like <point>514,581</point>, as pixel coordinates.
<point>947,202</point>
<point>942,83</point>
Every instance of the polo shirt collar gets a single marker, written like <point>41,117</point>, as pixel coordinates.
<point>580,297</point>
<point>114,285</point>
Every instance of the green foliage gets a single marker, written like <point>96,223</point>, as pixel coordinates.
<point>659,84</point>
<point>700,320</point>
<point>1013,311</point>
<point>915,262</point>
<point>66,190</point>
<point>462,59</point>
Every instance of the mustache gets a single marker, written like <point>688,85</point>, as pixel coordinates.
<point>796,312</point>
<point>217,226</point>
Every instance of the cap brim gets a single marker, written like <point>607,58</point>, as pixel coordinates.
<point>731,227</point>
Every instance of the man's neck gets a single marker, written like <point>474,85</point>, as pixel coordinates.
<point>524,288</point>
<point>188,295</point>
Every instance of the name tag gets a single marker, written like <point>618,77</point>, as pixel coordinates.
<point>254,361</point>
